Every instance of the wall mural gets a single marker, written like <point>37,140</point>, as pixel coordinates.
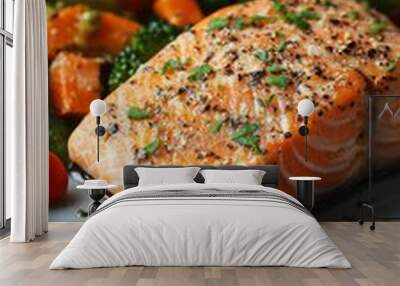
<point>222,91</point>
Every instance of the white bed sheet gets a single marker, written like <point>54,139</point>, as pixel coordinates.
<point>200,232</point>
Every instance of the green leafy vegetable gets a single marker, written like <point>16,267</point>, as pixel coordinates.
<point>216,127</point>
<point>377,26</point>
<point>217,23</point>
<point>262,55</point>
<point>274,68</point>
<point>200,72</point>
<point>143,45</point>
<point>59,132</point>
<point>209,6</point>
<point>151,148</point>
<point>282,46</point>
<point>279,81</point>
<point>246,136</point>
<point>137,113</point>
<point>171,65</point>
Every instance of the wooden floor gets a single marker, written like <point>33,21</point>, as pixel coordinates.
<point>375,257</point>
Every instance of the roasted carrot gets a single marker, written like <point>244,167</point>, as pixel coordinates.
<point>90,31</point>
<point>178,12</point>
<point>62,29</point>
<point>112,33</point>
<point>74,83</point>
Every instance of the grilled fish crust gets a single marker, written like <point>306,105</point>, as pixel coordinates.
<point>230,95</point>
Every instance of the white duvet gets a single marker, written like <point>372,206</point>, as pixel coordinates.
<point>200,231</point>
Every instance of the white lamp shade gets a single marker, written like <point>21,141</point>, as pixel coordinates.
<point>305,107</point>
<point>98,107</point>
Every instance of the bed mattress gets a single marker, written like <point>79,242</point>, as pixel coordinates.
<point>201,225</point>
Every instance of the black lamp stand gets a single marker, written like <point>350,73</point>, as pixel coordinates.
<point>303,131</point>
<point>100,131</point>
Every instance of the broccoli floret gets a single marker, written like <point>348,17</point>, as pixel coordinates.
<point>125,65</point>
<point>144,44</point>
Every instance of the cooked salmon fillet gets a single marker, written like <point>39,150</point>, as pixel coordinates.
<point>226,92</point>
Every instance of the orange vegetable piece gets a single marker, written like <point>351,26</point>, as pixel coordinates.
<point>90,31</point>
<point>62,29</point>
<point>74,83</point>
<point>178,12</point>
<point>112,33</point>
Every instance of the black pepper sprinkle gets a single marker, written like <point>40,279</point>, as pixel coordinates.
<point>287,135</point>
<point>114,128</point>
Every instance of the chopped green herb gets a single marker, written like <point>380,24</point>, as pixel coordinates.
<point>218,23</point>
<point>200,72</point>
<point>270,99</point>
<point>216,127</point>
<point>280,34</point>
<point>353,15</point>
<point>274,68</point>
<point>391,67</point>
<point>328,4</point>
<point>278,6</point>
<point>297,20</point>
<point>259,18</point>
<point>377,26</point>
<point>170,65</point>
<point>239,23</point>
<point>309,15</point>
<point>246,136</point>
<point>151,148</point>
<point>262,55</point>
<point>137,113</point>
<point>282,46</point>
<point>279,81</point>
<point>246,130</point>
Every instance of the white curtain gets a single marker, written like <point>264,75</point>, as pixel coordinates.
<point>27,124</point>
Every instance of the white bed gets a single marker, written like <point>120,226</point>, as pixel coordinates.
<point>166,225</point>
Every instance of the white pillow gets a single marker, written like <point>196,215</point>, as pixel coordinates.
<point>248,177</point>
<point>166,176</point>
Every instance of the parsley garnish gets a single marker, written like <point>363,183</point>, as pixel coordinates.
<point>270,99</point>
<point>246,136</point>
<point>218,23</point>
<point>259,18</point>
<point>262,55</point>
<point>278,6</point>
<point>391,67</point>
<point>353,15</point>
<point>274,68</point>
<point>279,81</point>
<point>309,15</point>
<point>137,113</point>
<point>151,148</point>
<point>200,72</point>
<point>216,127</point>
<point>297,20</point>
<point>328,4</point>
<point>377,26</point>
<point>282,46</point>
<point>239,23</point>
<point>171,64</point>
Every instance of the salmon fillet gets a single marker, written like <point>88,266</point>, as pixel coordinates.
<point>226,92</point>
